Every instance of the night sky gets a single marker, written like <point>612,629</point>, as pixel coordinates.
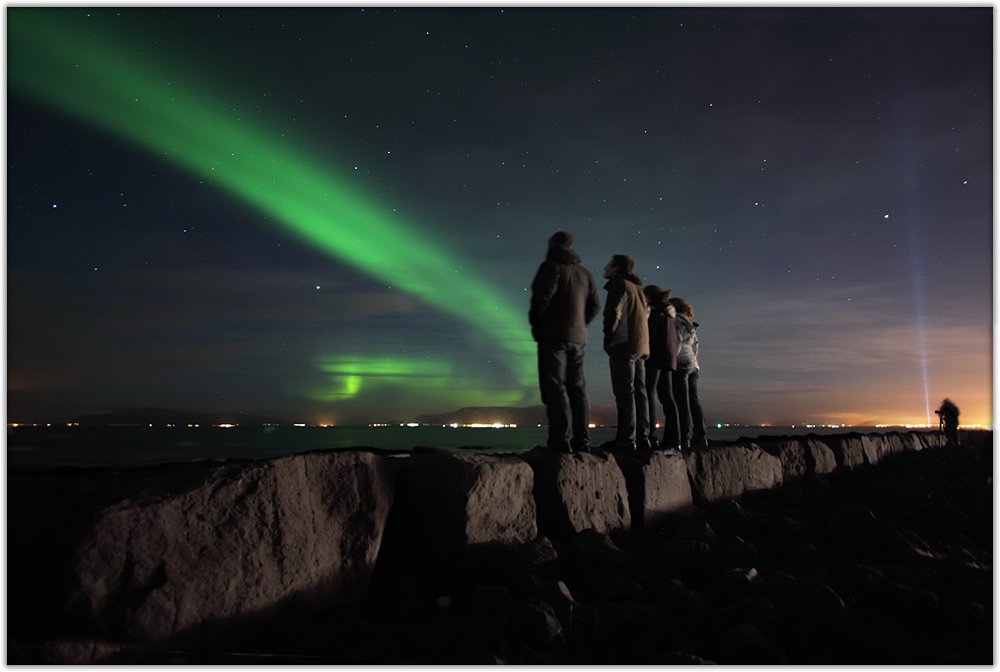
<point>334,214</point>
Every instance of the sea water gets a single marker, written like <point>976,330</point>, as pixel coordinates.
<point>145,446</point>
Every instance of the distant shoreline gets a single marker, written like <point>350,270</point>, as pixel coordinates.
<point>126,446</point>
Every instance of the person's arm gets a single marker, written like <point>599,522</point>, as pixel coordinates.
<point>613,311</point>
<point>543,288</point>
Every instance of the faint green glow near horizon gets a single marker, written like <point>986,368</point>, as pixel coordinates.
<point>66,61</point>
<point>350,375</point>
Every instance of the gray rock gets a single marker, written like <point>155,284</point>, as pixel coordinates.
<point>579,492</point>
<point>849,450</point>
<point>924,440</point>
<point>792,453</point>
<point>658,486</point>
<point>470,499</point>
<point>298,534</point>
<point>726,472</point>
<point>876,447</point>
<point>820,456</point>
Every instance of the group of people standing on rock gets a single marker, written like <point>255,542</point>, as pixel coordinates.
<point>652,343</point>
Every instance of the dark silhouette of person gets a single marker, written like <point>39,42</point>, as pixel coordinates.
<point>948,419</point>
<point>626,340</point>
<point>563,302</point>
<point>660,367</point>
<point>685,379</point>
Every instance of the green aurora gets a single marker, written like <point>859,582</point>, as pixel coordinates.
<point>68,61</point>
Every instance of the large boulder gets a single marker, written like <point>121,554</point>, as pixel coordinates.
<point>469,499</point>
<point>877,447</point>
<point>849,450</point>
<point>292,535</point>
<point>726,472</point>
<point>459,518</point>
<point>922,440</point>
<point>819,455</point>
<point>658,486</point>
<point>577,492</point>
<point>792,453</point>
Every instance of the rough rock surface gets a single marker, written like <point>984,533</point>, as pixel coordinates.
<point>726,472</point>
<point>299,533</point>
<point>849,449</point>
<point>819,455</point>
<point>471,498</point>
<point>886,564</point>
<point>658,486</point>
<point>580,492</point>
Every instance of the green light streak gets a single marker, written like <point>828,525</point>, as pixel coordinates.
<point>351,375</point>
<point>65,60</point>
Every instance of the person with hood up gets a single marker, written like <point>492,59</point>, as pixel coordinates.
<point>564,301</point>
<point>692,420</point>
<point>661,365</point>
<point>626,340</point>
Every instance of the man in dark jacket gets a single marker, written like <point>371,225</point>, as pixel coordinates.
<point>563,302</point>
<point>660,367</point>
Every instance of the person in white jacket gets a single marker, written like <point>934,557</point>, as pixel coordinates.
<point>685,379</point>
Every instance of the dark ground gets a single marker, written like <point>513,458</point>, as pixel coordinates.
<point>883,565</point>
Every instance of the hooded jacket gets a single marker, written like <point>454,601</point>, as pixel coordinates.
<point>626,326</point>
<point>663,339</point>
<point>563,299</point>
<point>687,353</point>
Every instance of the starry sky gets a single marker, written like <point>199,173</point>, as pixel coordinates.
<point>334,214</point>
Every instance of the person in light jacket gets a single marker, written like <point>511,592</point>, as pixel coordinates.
<point>626,340</point>
<point>692,419</point>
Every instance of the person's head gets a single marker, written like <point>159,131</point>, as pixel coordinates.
<point>620,266</point>
<point>683,307</point>
<point>656,296</point>
<point>561,239</point>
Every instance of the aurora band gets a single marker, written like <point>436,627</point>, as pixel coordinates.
<point>58,57</point>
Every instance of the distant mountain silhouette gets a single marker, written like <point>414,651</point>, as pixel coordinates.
<point>163,416</point>
<point>525,416</point>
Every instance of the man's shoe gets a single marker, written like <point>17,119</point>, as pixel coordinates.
<point>644,445</point>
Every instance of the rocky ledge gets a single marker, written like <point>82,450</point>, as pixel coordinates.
<point>856,548</point>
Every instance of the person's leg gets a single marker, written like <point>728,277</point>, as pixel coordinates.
<point>698,429</point>
<point>653,376</point>
<point>552,380</point>
<point>642,426</point>
<point>622,367</point>
<point>683,408</point>
<point>576,389</point>
<point>671,423</point>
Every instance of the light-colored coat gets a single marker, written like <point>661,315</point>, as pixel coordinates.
<point>626,326</point>
<point>687,353</point>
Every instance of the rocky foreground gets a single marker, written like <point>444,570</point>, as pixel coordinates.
<point>853,549</point>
